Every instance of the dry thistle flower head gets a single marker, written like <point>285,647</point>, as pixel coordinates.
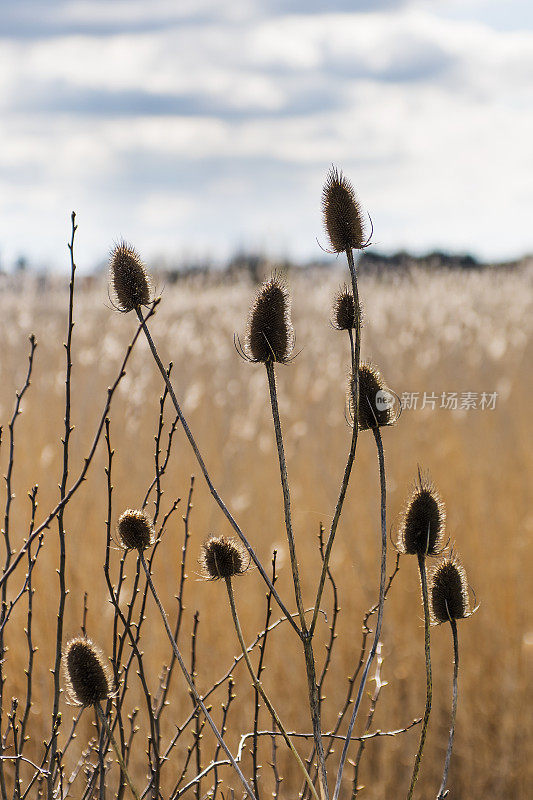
<point>344,310</point>
<point>136,530</point>
<point>448,591</point>
<point>375,399</point>
<point>86,672</point>
<point>342,213</point>
<point>423,522</point>
<point>223,557</point>
<point>129,279</point>
<point>270,335</point>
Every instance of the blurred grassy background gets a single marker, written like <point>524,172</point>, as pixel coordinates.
<point>444,331</point>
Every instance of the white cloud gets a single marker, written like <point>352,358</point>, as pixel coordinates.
<point>219,133</point>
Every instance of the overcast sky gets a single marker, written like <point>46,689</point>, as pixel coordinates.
<point>199,127</point>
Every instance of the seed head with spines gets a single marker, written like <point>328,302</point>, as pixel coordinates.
<point>86,673</point>
<point>448,591</point>
<point>371,415</point>
<point>343,315</point>
<point>135,530</point>
<point>129,279</point>
<point>423,522</point>
<point>223,557</point>
<point>343,217</point>
<point>270,335</point>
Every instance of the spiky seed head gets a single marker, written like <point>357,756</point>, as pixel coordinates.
<point>86,673</point>
<point>344,310</point>
<point>343,217</point>
<point>223,557</point>
<point>270,335</point>
<point>448,591</point>
<point>129,279</point>
<point>374,412</point>
<point>423,522</point>
<point>136,530</point>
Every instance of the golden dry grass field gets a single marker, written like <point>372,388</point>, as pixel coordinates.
<point>445,331</point>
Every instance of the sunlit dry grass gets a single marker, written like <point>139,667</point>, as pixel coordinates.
<point>433,333</point>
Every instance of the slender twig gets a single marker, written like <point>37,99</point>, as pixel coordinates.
<point>117,751</point>
<point>262,651</point>
<point>88,459</point>
<point>189,680</point>
<point>62,492</point>
<point>193,673</point>
<point>167,674</point>
<point>223,728</point>
<point>206,475</point>
<point>381,604</point>
<point>442,791</point>
<point>299,735</point>
<point>4,612</point>
<point>379,684</point>
<point>259,687</point>
<point>429,685</point>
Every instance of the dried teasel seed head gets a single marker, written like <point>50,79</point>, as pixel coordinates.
<point>135,530</point>
<point>342,213</point>
<point>448,591</point>
<point>344,310</point>
<point>270,335</point>
<point>375,399</point>
<point>86,673</point>
<point>424,519</point>
<point>223,557</point>
<point>130,282</point>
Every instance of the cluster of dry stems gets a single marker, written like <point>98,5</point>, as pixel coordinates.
<point>108,764</point>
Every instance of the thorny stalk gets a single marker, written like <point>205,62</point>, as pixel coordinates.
<point>381,604</point>
<point>442,791</point>
<point>259,687</point>
<point>355,350</point>
<point>429,684</point>
<point>305,635</point>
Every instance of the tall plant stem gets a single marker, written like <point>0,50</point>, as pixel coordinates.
<point>305,635</point>
<point>286,492</point>
<point>205,473</point>
<point>123,767</point>
<point>60,516</point>
<point>355,350</point>
<point>189,679</point>
<point>442,792</point>
<point>381,604</point>
<point>429,684</point>
<point>259,688</point>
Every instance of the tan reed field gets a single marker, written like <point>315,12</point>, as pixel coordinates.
<point>427,332</point>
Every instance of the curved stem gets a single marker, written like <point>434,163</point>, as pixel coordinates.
<point>189,679</point>
<point>117,751</point>
<point>206,475</point>
<point>381,604</point>
<point>259,687</point>
<point>429,685</point>
<point>442,793</point>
